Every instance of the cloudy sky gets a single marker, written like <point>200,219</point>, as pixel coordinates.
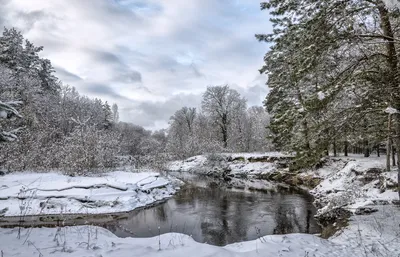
<point>151,57</point>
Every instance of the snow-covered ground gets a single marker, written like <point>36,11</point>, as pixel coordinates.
<point>346,182</point>
<point>249,164</point>
<point>92,241</point>
<point>24,194</point>
<point>354,182</point>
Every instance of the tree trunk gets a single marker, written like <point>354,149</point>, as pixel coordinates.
<point>224,128</point>
<point>392,78</point>
<point>346,146</point>
<point>366,152</point>
<point>225,137</point>
<point>377,151</point>
<point>393,154</point>
<point>388,144</point>
<point>334,148</point>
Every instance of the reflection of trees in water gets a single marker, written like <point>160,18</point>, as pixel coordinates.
<point>232,222</point>
<point>217,231</point>
<point>240,219</point>
<point>287,220</point>
<point>161,213</point>
<point>283,222</point>
<point>219,216</point>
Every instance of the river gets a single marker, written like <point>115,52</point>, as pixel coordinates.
<point>213,213</point>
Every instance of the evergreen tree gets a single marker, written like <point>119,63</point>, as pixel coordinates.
<point>108,116</point>
<point>327,63</point>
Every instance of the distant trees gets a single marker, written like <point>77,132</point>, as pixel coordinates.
<point>67,131</point>
<point>62,129</point>
<point>224,124</point>
<point>223,105</point>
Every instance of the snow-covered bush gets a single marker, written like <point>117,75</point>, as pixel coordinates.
<point>88,150</point>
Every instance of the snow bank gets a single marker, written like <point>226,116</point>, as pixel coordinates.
<point>96,241</point>
<point>53,193</point>
<point>237,164</point>
<point>354,182</point>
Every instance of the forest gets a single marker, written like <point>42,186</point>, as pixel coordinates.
<point>48,125</point>
<point>311,170</point>
<point>333,76</point>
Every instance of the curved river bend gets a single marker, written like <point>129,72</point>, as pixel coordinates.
<point>215,214</point>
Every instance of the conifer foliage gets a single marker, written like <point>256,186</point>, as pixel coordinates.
<point>332,71</point>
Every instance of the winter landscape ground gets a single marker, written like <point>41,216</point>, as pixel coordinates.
<point>200,128</point>
<point>355,184</point>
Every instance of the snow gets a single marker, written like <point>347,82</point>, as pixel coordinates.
<point>349,182</point>
<point>391,110</point>
<point>54,193</point>
<point>3,114</point>
<point>392,3</point>
<point>237,163</point>
<point>354,182</point>
<point>321,95</point>
<point>95,241</point>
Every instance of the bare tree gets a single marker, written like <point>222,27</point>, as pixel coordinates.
<point>223,104</point>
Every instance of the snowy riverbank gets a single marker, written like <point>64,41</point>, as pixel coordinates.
<point>356,198</point>
<point>23,194</point>
<point>236,164</point>
<point>94,242</point>
<point>357,185</point>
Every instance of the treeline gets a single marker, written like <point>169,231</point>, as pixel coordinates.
<point>224,124</point>
<point>48,125</point>
<point>57,128</point>
<point>333,71</point>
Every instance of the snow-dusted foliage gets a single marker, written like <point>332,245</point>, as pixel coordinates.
<point>392,3</point>
<point>223,125</point>
<point>57,127</point>
<point>332,70</point>
<point>7,110</point>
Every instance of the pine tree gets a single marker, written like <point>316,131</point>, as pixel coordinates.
<point>326,65</point>
<point>108,116</point>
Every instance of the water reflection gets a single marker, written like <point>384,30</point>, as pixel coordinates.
<point>220,216</point>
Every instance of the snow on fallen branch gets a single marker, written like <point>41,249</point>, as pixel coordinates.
<point>391,110</point>
<point>9,107</point>
<point>81,187</point>
<point>9,136</point>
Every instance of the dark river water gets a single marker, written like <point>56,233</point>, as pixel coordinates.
<point>217,215</point>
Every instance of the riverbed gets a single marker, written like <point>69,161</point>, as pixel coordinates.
<point>214,213</point>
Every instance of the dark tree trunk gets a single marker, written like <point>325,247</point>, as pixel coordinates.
<point>366,152</point>
<point>346,146</point>
<point>224,128</point>
<point>392,78</point>
<point>334,148</point>
<point>393,156</point>
<point>388,143</point>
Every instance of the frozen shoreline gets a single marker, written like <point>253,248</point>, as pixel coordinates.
<point>350,183</point>
<point>95,241</point>
<point>27,194</point>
